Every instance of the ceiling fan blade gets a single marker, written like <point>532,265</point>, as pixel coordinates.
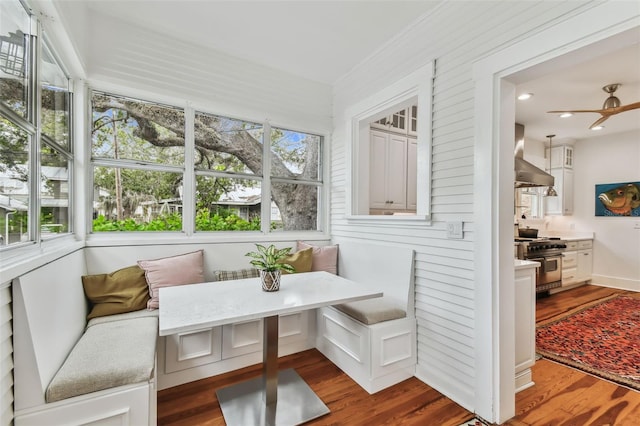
<point>629,107</point>
<point>598,111</point>
<point>598,121</point>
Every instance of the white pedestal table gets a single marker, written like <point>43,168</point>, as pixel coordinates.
<point>275,398</point>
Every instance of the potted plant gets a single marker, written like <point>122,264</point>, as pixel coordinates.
<point>268,260</point>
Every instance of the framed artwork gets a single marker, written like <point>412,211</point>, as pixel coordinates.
<point>618,199</point>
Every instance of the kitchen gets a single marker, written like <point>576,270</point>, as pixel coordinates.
<point>563,232</point>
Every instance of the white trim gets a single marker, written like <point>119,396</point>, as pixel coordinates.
<point>417,85</point>
<point>494,150</point>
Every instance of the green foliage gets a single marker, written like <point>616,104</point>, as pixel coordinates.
<point>173,222</point>
<point>270,258</point>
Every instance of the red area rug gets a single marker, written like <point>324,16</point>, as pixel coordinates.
<point>603,340</point>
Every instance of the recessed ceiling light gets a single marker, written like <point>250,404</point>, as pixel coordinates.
<point>566,114</point>
<point>525,96</point>
<point>597,128</point>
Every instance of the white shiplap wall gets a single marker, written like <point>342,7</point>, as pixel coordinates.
<point>454,35</point>
<point>6,356</point>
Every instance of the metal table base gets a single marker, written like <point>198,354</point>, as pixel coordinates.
<point>243,404</point>
<point>275,399</point>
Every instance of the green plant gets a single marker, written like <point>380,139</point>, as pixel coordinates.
<point>270,258</point>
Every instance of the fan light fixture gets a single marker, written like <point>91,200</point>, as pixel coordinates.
<point>550,191</point>
<point>611,106</point>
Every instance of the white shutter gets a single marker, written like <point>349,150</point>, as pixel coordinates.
<point>6,356</point>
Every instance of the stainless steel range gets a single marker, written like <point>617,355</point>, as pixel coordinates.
<point>547,251</point>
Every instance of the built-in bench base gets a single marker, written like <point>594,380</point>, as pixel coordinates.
<point>373,341</point>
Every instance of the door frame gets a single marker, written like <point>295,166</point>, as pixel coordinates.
<point>600,28</point>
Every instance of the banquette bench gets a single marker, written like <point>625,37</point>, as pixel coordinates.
<point>108,370</point>
<point>373,341</point>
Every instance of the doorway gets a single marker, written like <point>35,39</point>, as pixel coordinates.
<point>589,34</point>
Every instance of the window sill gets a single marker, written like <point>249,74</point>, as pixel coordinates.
<point>390,220</point>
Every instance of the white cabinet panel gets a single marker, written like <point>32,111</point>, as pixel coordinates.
<point>241,338</point>
<point>525,324</point>
<point>388,171</point>
<point>412,175</point>
<point>186,350</point>
<point>585,265</point>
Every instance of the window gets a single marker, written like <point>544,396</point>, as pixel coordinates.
<point>139,157</point>
<point>390,151</point>
<point>35,166</point>
<point>296,175</point>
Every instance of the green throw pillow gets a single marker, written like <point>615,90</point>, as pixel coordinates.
<point>124,290</point>
<point>300,260</point>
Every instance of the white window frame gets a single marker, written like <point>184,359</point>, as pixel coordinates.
<point>416,88</point>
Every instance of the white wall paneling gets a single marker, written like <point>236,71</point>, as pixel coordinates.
<point>6,356</point>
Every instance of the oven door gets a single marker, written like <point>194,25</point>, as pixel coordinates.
<point>549,273</point>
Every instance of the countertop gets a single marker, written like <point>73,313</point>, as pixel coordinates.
<point>568,235</point>
<point>524,264</point>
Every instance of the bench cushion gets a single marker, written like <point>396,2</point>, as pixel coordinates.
<point>372,311</point>
<point>109,354</point>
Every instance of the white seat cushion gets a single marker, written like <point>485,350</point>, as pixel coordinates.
<point>372,311</point>
<point>109,354</point>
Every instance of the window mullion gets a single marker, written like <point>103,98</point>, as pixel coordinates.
<point>265,211</point>
<point>35,98</point>
<point>188,178</point>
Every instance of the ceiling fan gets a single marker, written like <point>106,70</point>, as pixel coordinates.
<point>610,107</point>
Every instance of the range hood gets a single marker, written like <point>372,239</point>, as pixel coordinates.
<point>527,174</point>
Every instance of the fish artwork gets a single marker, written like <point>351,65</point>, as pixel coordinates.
<point>622,199</point>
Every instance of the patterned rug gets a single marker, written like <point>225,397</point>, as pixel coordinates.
<point>603,340</point>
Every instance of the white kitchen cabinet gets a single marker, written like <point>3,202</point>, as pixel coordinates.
<point>563,203</point>
<point>561,157</point>
<point>584,267</point>
<point>525,323</point>
<point>389,171</point>
<point>412,174</point>
<point>577,263</point>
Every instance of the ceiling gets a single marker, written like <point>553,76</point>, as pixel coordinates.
<point>322,40</point>
<point>579,86</point>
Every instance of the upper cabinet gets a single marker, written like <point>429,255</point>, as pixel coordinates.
<point>561,157</point>
<point>562,170</point>
<point>404,121</point>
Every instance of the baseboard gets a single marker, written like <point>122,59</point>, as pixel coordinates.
<point>615,282</point>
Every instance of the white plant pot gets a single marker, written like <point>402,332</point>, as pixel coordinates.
<point>270,280</point>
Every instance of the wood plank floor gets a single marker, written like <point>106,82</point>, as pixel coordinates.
<point>561,396</point>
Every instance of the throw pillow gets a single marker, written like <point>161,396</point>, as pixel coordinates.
<point>324,258</point>
<point>182,269</point>
<point>124,290</point>
<point>300,260</point>
<point>237,274</point>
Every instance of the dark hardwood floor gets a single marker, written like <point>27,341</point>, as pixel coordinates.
<point>561,396</point>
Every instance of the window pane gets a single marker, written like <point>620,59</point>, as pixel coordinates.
<point>225,144</point>
<point>296,207</point>
<point>54,193</point>
<point>130,129</point>
<point>14,36</point>
<point>225,204</point>
<point>55,99</point>
<point>295,155</point>
<point>14,183</point>
<point>136,200</point>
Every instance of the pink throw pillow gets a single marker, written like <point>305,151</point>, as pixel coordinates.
<point>324,258</point>
<point>182,269</point>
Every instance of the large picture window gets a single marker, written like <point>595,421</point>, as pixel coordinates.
<point>240,183</point>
